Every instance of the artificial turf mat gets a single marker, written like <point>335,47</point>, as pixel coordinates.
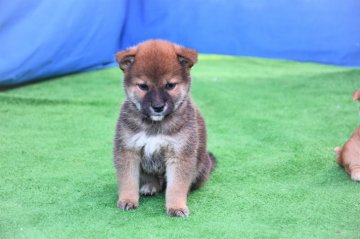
<point>272,125</point>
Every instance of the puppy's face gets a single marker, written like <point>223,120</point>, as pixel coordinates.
<point>157,76</point>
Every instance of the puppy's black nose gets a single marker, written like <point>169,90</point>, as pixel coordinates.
<point>158,109</point>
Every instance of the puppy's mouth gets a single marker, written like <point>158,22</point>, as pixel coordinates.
<point>157,117</point>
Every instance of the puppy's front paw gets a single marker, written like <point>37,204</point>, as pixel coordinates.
<point>127,204</point>
<point>178,212</point>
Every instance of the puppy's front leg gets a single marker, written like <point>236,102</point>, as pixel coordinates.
<point>179,178</point>
<point>128,173</point>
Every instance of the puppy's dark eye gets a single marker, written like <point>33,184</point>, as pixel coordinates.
<point>170,86</point>
<point>143,87</point>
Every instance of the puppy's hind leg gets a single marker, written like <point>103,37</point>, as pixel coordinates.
<point>207,164</point>
<point>149,184</point>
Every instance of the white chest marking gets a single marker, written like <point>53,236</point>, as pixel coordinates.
<point>151,144</point>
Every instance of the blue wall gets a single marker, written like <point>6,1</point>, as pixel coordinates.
<point>43,38</point>
<point>320,30</point>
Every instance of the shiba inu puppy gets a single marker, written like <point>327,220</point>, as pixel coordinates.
<point>160,138</point>
<point>349,155</point>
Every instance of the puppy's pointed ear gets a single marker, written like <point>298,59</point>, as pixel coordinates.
<point>356,95</point>
<point>126,58</point>
<point>186,56</point>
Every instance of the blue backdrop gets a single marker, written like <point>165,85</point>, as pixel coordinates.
<point>43,38</point>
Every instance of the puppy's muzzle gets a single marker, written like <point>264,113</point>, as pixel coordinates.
<point>157,104</point>
<point>158,109</point>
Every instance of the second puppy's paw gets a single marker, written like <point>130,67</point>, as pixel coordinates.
<point>355,176</point>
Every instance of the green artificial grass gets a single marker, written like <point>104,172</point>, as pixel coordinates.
<point>272,124</point>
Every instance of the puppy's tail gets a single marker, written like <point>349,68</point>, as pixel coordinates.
<point>213,161</point>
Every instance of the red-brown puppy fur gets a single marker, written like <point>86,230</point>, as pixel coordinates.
<point>160,135</point>
<point>356,95</point>
<point>349,155</point>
